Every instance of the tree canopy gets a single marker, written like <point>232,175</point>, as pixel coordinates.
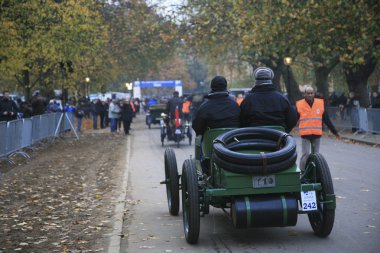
<point>49,42</point>
<point>264,32</point>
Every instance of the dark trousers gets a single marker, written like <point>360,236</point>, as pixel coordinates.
<point>102,120</point>
<point>126,125</point>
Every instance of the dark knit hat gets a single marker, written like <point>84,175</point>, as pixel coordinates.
<point>263,75</point>
<point>219,83</point>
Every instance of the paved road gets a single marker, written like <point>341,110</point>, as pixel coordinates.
<point>149,227</point>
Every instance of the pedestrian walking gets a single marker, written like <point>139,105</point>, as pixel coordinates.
<point>79,113</point>
<point>113,114</point>
<point>102,114</point>
<point>119,119</point>
<point>353,106</point>
<point>95,109</point>
<point>126,115</point>
<point>311,112</point>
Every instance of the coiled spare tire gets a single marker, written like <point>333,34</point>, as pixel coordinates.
<point>277,150</point>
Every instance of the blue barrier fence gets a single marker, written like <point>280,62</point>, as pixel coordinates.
<point>18,134</point>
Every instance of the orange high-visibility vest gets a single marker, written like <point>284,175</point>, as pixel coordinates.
<point>239,100</point>
<point>186,107</point>
<point>133,106</point>
<point>310,122</point>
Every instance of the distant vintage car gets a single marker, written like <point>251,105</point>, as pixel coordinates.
<point>153,115</point>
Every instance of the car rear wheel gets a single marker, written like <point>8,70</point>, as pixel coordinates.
<point>190,201</point>
<point>317,171</point>
<point>172,181</point>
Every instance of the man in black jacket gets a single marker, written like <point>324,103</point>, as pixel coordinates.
<point>265,106</point>
<point>174,103</point>
<point>126,115</point>
<point>218,111</point>
<point>8,108</point>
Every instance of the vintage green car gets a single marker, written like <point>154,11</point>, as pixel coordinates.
<point>153,115</point>
<point>253,173</point>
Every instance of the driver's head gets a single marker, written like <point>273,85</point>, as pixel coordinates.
<point>219,83</point>
<point>263,75</point>
<point>309,94</point>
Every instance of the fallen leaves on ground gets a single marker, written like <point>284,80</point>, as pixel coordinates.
<point>61,200</point>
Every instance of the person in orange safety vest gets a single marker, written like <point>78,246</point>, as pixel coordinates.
<point>311,112</point>
<point>186,109</point>
<point>239,99</point>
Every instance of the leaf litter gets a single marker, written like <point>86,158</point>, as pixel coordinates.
<point>62,199</point>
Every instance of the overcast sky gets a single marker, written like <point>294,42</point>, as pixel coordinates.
<point>166,4</point>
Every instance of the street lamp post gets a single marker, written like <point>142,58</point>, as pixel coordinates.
<point>288,61</point>
<point>129,87</point>
<point>87,79</point>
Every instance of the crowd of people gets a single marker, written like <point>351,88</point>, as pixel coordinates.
<point>11,110</point>
<point>113,113</point>
<point>347,103</point>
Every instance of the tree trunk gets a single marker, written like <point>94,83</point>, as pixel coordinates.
<point>321,80</point>
<point>26,84</point>
<point>322,69</point>
<point>291,84</point>
<point>357,79</point>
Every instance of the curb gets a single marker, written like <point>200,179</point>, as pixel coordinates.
<point>114,242</point>
<point>370,143</point>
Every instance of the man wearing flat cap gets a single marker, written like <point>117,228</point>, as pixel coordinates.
<point>218,111</point>
<point>265,106</point>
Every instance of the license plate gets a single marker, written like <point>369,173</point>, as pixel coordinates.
<point>309,200</point>
<point>264,181</point>
<point>178,131</point>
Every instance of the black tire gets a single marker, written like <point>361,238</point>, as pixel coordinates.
<point>255,169</point>
<point>281,145</point>
<point>322,221</point>
<point>281,149</point>
<point>148,121</point>
<point>172,181</point>
<point>190,201</point>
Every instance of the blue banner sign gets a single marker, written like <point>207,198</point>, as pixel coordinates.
<point>152,84</point>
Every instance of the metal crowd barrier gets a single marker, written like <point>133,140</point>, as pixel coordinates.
<point>373,120</point>
<point>18,134</point>
<point>3,136</point>
<point>357,120</point>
